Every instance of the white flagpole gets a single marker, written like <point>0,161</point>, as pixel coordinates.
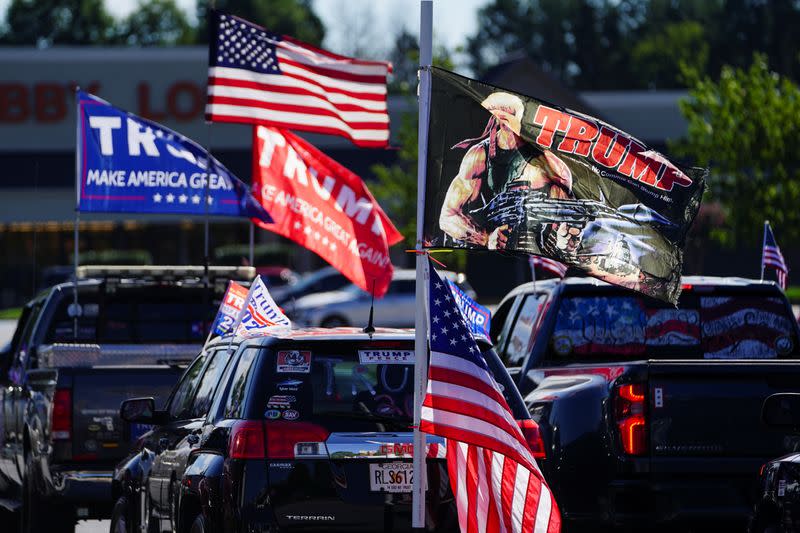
<point>420,319</point>
<point>242,311</point>
<point>763,244</point>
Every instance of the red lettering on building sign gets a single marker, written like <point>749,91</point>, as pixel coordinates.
<point>143,95</point>
<point>608,148</point>
<point>13,103</point>
<point>44,102</point>
<point>184,102</point>
<point>181,92</point>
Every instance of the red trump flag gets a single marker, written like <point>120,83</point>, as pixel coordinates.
<point>323,206</point>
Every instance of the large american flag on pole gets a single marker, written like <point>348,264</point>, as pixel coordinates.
<point>771,256</point>
<point>497,485</point>
<point>259,77</point>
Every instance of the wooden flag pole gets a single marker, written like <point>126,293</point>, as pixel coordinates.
<point>420,318</point>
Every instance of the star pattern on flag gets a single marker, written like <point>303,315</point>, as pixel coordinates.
<point>182,198</point>
<point>241,45</point>
<point>157,198</point>
<point>196,199</point>
<point>451,334</point>
<point>170,198</point>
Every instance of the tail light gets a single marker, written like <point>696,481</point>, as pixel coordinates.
<point>61,416</point>
<point>285,440</point>
<point>530,430</point>
<point>631,415</point>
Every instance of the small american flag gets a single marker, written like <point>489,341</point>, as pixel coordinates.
<point>258,77</point>
<point>771,256</point>
<point>493,475</point>
<point>548,265</point>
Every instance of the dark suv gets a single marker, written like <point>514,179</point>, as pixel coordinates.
<point>305,431</point>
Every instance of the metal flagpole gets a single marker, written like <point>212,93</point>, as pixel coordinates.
<point>252,242</point>
<point>78,142</point>
<point>420,319</point>
<point>763,244</point>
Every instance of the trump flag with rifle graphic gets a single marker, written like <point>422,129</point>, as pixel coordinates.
<point>323,206</point>
<point>128,164</point>
<point>509,172</point>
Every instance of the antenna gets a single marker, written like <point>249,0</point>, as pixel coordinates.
<point>370,329</point>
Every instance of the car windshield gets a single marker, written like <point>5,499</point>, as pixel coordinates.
<point>341,385</point>
<point>725,324</point>
<point>350,386</point>
<point>143,314</point>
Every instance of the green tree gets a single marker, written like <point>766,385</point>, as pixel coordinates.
<point>287,17</point>
<point>629,44</point>
<point>395,185</point>
<point>659,58</point>
<point>746,127</point>
<point>156,23</point>
<point>49,22</point>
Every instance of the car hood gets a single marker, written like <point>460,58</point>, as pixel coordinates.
<point>323,298</point>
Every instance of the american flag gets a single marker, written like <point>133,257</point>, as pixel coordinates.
<point>771,256</point>
<point>493,475</point>
<point>258,77</point>
<point>548,265</point>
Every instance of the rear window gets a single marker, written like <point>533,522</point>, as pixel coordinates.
<point>147,314</point>
<point>334,385</point>
<point>718,325</point>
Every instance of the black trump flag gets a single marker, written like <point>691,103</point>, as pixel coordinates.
<point>509,172</point>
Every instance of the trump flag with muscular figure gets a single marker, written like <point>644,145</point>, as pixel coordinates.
<point>508,172</point>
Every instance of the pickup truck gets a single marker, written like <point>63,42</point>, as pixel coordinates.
<point>69,367</point>
<point>650,413</point>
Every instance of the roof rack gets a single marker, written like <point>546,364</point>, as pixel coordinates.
<point>165,272</point>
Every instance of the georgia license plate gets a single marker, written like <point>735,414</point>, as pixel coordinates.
<point>391,477</point>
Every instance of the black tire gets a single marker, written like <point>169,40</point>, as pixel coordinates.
<point>119,517</point>
<point>199,525</point>
<point>39,516</point>
<point>334,322</point>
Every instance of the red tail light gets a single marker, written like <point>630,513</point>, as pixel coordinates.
<point>61,417</point>
<point>285,440</point>
<point>530,430</point>
<point>247,440</point>
<point>630,412</point>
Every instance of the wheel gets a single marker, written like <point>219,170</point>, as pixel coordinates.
<point>119,517</point>
<point>334,322</point>
<point>199,525</point>
<point>39,516</point>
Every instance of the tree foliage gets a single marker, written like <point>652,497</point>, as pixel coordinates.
<point>156,23</point>
<point>630,44</point>
<point>287,17</point>
<point>746,127</point>
<point>66,22</point>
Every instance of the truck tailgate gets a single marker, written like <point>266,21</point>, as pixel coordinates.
<point>712,409</point>
<point>98,432</point>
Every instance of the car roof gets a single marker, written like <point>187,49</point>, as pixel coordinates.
<point>688,283</point>
<point>319,334</point>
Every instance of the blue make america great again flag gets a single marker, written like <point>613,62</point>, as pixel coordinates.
<point>128,164</point>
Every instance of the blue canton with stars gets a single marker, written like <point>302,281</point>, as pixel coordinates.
<point>449,332</point>
<point>237,43</point>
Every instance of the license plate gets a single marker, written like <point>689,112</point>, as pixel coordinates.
<point>391,477</point>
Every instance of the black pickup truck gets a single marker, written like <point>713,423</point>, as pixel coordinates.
<point>650,413</point>
<point>67,370</point>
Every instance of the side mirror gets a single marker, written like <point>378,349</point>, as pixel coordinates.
<point>142,411</point>
<point>782,411</point>
<point>42,379</point>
